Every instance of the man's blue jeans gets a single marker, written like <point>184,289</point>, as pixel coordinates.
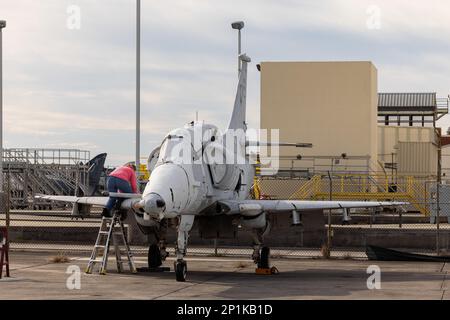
<point>115,185</point>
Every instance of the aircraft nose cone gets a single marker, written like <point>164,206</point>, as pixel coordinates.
<point>154,203</point>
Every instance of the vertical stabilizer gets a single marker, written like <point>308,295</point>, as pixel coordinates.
<point>238,117</point>
<point>90,182</point>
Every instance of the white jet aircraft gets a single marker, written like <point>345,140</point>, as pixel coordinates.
<point>188,182</point>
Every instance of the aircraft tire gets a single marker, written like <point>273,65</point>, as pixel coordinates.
<point>180,271</point>
<point>154,256</point>
<point>264,258</point>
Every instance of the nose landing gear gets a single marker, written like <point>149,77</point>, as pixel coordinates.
<point>184,226</point>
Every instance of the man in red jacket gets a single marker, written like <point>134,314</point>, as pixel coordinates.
<point>122,179</point>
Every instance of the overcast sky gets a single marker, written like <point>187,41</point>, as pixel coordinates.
<point>75,88</point>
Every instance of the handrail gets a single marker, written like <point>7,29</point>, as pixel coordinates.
<point>368,186</point>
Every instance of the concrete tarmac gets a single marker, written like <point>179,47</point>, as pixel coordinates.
<point>34,276</point>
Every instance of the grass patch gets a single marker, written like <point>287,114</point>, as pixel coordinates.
<point>60,258</point>
<point>242,264</point>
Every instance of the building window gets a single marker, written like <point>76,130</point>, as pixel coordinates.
<point>404,120</point>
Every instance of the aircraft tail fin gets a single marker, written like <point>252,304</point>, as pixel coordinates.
<point>238,116</point>
<point>89,184</point>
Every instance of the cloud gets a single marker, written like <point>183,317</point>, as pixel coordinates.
<point>82,145</point>
<point>77,87</point>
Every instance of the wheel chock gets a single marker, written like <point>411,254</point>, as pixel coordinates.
<point>267,271</point>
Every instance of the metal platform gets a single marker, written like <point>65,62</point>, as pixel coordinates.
<point>43,171</point>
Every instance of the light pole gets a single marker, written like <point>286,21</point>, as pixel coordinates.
<point>238,25</point>
<point>2,26</point>
<point>138,86</point>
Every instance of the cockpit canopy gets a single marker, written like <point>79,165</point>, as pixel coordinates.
<point>186,144</point>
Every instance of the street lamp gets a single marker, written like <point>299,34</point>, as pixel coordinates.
<point>2,26</point>
<point>238,25</point>
<point>138,86</point>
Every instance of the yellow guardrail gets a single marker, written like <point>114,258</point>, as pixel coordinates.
<point>371,187</point>
<point>308,189</point>
<point>382,187</point>
<point>143,172</point>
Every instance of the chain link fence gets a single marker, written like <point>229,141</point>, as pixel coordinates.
<point>418,227</point>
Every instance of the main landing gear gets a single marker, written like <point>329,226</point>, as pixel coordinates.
<point>154,257</point>
<point>157,252</point>
<point>264,259</point>
<point>261,254</point>
<point>263,263</point>
<point>180,267</point>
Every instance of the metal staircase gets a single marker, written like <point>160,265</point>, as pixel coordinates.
<point>365,187</point>
<point>43,171</point>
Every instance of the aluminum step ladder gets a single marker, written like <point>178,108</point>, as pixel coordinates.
<point>112,228</point>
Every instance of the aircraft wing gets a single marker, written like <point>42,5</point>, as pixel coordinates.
<point>231,207</point>
<point>95,201</point>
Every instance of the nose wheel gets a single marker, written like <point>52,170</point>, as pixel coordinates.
<point>180,267</point>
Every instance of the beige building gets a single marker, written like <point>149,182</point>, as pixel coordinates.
<point>414,150</point>
<point>336,106</point>
<point>332,105</point>
<point>446,158</point>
